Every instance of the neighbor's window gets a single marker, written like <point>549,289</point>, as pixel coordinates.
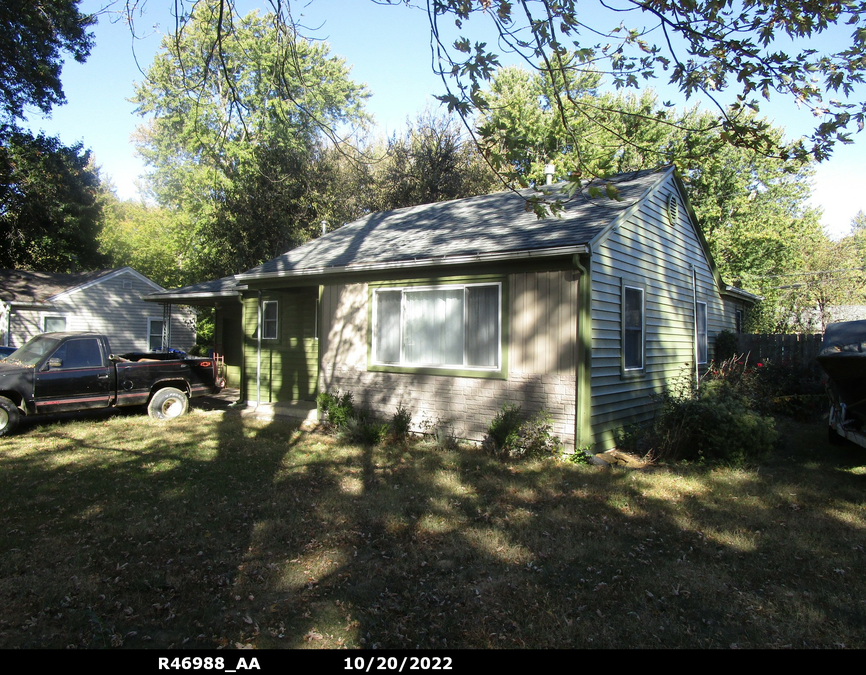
<point>446,327</point>
<point>154,335</point>
<point>269,319</point>
<point>54,324</point>
<point>633,328</point>
<point>701,330</point>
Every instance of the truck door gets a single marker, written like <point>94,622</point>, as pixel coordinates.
<point>76,376</point>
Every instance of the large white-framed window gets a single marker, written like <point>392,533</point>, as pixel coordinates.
<point>458,326</point>
<point>154,334</point>
<point>633,329</point>
<point>270,319</point>
<point>53,324</point>
<point>701,332</point>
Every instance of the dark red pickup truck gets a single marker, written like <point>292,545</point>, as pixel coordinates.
<point>62,372</point>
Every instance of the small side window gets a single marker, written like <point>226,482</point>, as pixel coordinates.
<point>54,324</point>
<point>632,328</point>
<point>154,335</point>
<point>270,319</point>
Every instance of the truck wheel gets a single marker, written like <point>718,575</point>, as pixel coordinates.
<point>168,404</point>
<point>9,416</point>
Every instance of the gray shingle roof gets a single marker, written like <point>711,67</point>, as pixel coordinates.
<point>22,286</point>
<point>489,224</point>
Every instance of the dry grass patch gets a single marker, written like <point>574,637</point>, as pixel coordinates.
<point>218,531</point>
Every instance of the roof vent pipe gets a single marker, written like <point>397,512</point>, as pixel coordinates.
<point>324,227</point>
<point>549,170</point>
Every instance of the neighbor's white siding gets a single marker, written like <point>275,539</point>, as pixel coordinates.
<point>113,307</point>
<point>648,251</point>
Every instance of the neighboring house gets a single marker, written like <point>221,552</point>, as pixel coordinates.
<point>453,309</point>
<point>815,320</point>
<point>106,301</point>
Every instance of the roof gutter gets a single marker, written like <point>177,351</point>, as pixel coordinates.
<point>36,304</point>
<point>740,293</point>
<point>579,249</point>
<point>178,298</point>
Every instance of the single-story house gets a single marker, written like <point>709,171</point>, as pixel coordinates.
<point>453,309</point>
<point>105,301</point>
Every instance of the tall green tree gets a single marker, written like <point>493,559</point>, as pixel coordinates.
<point>753,209</point>
<point>34,35</point>
<point>431,162</point>
<point>234,136</point>
<point>831,281</point>
<point>733,54</point>
<point>151,239</point>
<point>50,212</point>
<point>751,50</point>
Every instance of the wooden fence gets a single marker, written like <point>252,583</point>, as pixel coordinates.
<point>801,349</point>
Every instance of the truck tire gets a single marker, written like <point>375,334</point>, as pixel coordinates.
<point>168,404</point>
<point>9,416</point>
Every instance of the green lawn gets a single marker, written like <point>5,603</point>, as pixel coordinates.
<point>215,531</point>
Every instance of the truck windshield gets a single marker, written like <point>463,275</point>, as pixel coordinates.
<point>32,352</point>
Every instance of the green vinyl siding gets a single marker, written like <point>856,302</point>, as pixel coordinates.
<point>648,251</point>
<point>289,363</point>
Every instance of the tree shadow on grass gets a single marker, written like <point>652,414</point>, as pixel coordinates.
<point>220,531</point>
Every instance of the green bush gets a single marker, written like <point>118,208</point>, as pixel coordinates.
<point>784,388</point>
<point>361,430</point>
<point>338,409</point>
<point>401,423</point>
<point>503,428</point>
<point>509,436</point>
<point>727,346</point>
<point>714,424</point>
<point>580,455</point>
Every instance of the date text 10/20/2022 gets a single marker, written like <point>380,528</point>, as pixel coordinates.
<point>399,664</point>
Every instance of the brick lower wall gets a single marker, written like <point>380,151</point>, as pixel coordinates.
<point>469,404</point>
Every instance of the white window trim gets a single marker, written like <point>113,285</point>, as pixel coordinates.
<point>702,358</point>
<point>45,318</point>
<point>276,321</point>
<point>626,368</point>
<point>150,320</point>
<point>443,367</point>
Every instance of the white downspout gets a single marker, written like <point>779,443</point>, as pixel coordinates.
<point>695,323</point>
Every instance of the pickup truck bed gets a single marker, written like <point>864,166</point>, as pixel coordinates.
<point>63,372</point>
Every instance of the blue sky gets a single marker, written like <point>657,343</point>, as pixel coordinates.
<point>388,49</point>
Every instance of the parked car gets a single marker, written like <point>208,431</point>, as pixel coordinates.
<point>6,351</point>
<point>63,372</point>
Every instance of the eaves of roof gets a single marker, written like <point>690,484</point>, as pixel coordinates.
<point>443,261</point>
